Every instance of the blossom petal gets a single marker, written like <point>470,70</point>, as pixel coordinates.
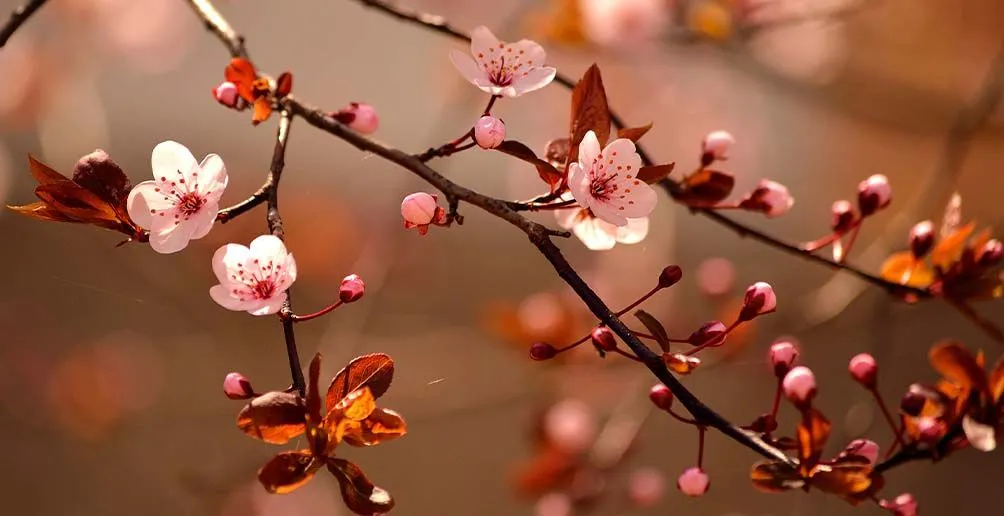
<point>268,306</point>
<point>228,260</point>
<point>569,218</point>
<point>534,79</point>
<point>624,154</point>
<point>578,184</point>
<point>213,179</point>
<point>143,199</point>
<point>980,436</point>
<point>589,149</point>
<point>203,220</point>
<point>609,213</point>
<point>635,231</point>
<point>483,42</point>
<point>469,69</point>
<point>223,295</point>
<point>169,158</point>
<point>287,275</point>
<point>638,203</point>
<point>596,234</point>
<point>170,238</point>
<point>531,54</point>
<point>268,247</point>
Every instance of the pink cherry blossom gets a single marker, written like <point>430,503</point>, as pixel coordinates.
<point>226,93</point>
<point>864,369</point>
<point>799,385</point>
<point>253,279</point>
<point>489,132</point>
<point>864,448</point>
<point>598,234</point>
<point>624,23</point>
<point>646,487</point>
<point>716,145</point>
<point>503,69</point>
<point>604,182</point>
<point>693,482</point>
<point>182,201</point>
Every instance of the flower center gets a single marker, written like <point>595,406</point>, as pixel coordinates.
<point>601,187</point>
<point>190,203</point>
<point>502,75</point>
<point>264,288</point>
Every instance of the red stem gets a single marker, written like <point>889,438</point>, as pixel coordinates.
<point>777,401</point>
<point>850,241</point>
<point>888,416</point>
<point>641,300</point>
<point>324,311</point>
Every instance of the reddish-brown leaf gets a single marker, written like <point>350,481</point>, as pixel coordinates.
<point>242,73</point>
<point>42,173</point>
<point>262,110</point>
<point>313,402</point>
<point>361,496</point>
<point>274,417</point>
<point>74,201</point>
<point>655,173</point>
<point>957,365</point>
<point>706,187</point>
<point>42,211</point>
<point>680,363</point>
<point>374,371</point>
<point>996,381</point>
<point>288,471</point>
<point>556,153</point>
<point>381,425</point>
<point>283,85</point>
<point>813,431</point>
<point>634,133</point>
<point>545,170</point>
<point>948,250</point>
<point>901,267</point>
<point>590,111</point>
<point>655,328</point>
<point>100,175</point>
<point>845,478</point>
<point>775,477</point>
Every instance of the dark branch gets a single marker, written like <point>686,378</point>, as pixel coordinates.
<point>17,18</point>
<point>219,26</point>
<point>260,196</point>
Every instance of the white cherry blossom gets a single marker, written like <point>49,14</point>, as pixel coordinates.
<point>253,279</point>
<point>503,69</point>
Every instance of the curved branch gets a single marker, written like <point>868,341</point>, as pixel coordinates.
<point>17,18</point>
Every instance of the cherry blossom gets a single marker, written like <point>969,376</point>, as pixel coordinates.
<point>503,69</point>
<point>799,385</point>
<point>253,279</point>
<point>604,182</point>
<point>598,234</point>
<point>182,201</point>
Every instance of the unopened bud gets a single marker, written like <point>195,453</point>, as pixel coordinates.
<point>991,253</point>
<point>930,430</point>
<point>542,351</point>
<point>661,396</point>
<point>226,94</point>
<point>237,387</point>
<point>670,276</point>
<point>359,116</point>
<point>759,300</point>
<point>922,238</point>
<point>843,216</point>
<point>783,356</point>
<point>603,338</point>
<point>710,334</point>
<point>693,482</point>
<point>874,194</point>
<point>770,198</point>
<point>352,288</point>
<point>489,132</point>
<point>420,210</point>
<point>864,370</point>
<point>864,448</point>
<point>915,399</point>
<point>715,147</point>
<point>799,386</point>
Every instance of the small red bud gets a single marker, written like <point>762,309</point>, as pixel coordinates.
<point>864,448</point>
<point>783,356</point>
<point>603,338</point>
<point>352,288</point>
<point>930,430</point>
<point>670,276</point>
<point>874,194</point>
<point>916,399</point>
<point>542,351</point>
<point>799,386</point>
<point>693,482</point>
<point>710,334</point>
<point>864,370</point>
<point>922,238</point>
<point>359,116</point>
<point>489,132</point>
<point>843,216</point>
<point>661,396</point>
<point>759,300</point>
<point>991,253</point>
<point>715,146</point>
<point>237,387</point>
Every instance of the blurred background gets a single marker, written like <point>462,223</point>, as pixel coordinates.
<point>112,358</point>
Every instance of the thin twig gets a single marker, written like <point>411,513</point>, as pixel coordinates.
<point>17,18</point>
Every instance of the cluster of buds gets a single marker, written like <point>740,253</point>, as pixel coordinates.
<point>874,194</point>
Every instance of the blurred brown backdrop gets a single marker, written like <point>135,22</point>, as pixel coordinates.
<point>111,359</point>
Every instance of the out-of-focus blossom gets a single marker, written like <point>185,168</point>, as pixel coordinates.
<point>571,426</point>
<point>624,23</point>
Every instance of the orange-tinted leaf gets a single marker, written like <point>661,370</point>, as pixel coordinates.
<point>381,425</point>
<point>262,110</point>
<point>813,431</point>
<point>680,363</point>
<point>274,417</point>
<point>313,402</point>
<point>374,371</point>
<point>74,201</point>
<point>634,133</point>
<point>957,365</point>
<point>361,496</point>
<point>547,471</point>
<point>844,478</point>
<point>42,211</point>
<point>655,328</point>
<point>42,173</point>
<point>706,187</point>
<point>949,249</point>
<point>357,406</point>
<point>655,173</point>
<point>100,175</point>
<point>284,84</point>
<point>902,268</point>
<point>996,381</point>
<point>242,73</point>
<point>775,477</point>
<point>288,471</point>
<point>980,240</point>
<point>556,152</point>
<point>545,170</point>
<point>589,111</point>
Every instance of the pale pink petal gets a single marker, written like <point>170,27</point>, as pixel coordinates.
<point>567,219</point>
<point>589,149</point>
<point>169,158</point>
<point>637,203</point>
<point>608,213</point>
<point>142,199</point>
<point>623,153</point>
<point>980,436</point>
<point>203,220</point>
<point>268,247</point>
<point>469,69</point>
<point>596,234</point>
<point>508,91</point>
<point>212,179</point>
<point>228,260</point>
<point>171,238</point>
<point>578,184</point>
<point>483,42</point>
<point>287,275</point>
<point>530,53</point>
<point>635,231</point>
<point>223,296</point>
<point>534,80</point>
<point>268,306</point>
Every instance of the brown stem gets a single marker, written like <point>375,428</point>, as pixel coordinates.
<point>888,416</point>
<point>261,195</point>
<point>17,18</point>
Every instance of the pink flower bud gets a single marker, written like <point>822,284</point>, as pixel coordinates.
<point>693,482</point>
<point>489,132</point>
<point>991,253</point>
<point>930,430</point>
<point>646,487</point>
<point>843,216</point>
<point>710,334</point>
<point>783,356</point>
<point>571,426</point>
<point>759,300</point>
<point>237,387</point>
<point>670,276</point>
<point>661,396</point>
<point>715,147</point>
<point>922,238</point>
<point>904,505</point>
<point>603,338</point>
<point>874,194</point>
<point>799,386</point>
<point>352,288</point>
<point>542,351</point>
<point>865,448</point>
<point>864,370</point>
<point>226,93</point>
<point>419,210</point>
<point>359,116</point>
<point>770,198</point>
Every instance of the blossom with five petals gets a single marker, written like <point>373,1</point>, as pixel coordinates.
<point>604,181</point>
<point>503,69</point>
<point>253,279</point>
